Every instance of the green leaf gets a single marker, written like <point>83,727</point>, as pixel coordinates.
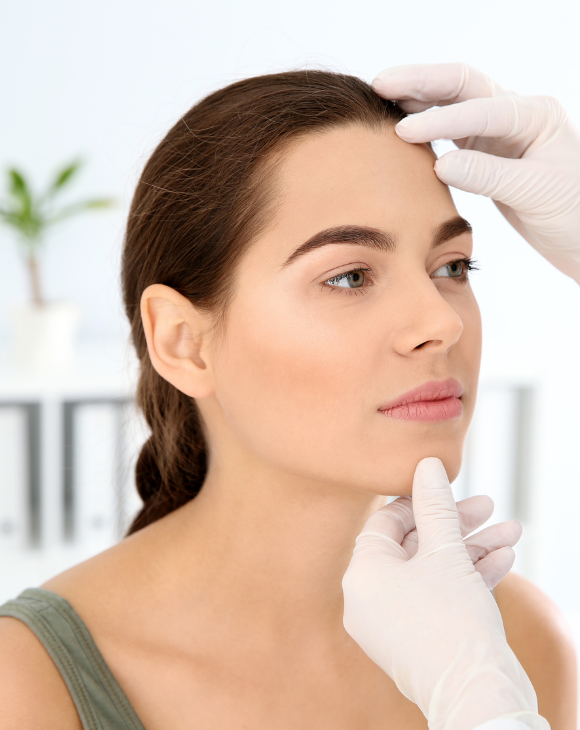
<point>75,208</point>
<point>10,219</point>
<point>99,203</point>
<point>22,214</point>
<point>65,175</point>
<point>18,186</point>
<point>30,216</point>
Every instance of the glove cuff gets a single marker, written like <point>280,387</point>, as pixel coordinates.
<point>516,721</point>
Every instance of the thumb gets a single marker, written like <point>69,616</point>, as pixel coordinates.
<point>386,529</point>
<point>435,510</point>
<point>499,178</point>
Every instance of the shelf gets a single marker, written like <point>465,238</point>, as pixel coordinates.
<point>101,368</point>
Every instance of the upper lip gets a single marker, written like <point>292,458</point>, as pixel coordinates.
<point>430,391</point>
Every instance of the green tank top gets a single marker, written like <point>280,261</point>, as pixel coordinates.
<point>100,701</point>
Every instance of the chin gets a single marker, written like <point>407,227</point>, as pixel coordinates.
<point>394,476</point>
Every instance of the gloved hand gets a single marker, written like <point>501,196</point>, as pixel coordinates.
<point>485,548</point>
<point>429,621</point>
<point>521,151</point>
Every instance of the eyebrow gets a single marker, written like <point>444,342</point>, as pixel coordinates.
<point>375,238</point>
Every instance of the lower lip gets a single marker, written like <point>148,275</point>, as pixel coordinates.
<point>429,410</point>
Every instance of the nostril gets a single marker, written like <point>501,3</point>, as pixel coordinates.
<point>421,345</point>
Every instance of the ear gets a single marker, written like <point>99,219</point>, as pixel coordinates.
<point>177,338</point>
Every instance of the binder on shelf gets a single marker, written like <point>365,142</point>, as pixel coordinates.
<point>102,442</point>
<point>14,478</point>
<point>135,432</point>
<point>91,489</point>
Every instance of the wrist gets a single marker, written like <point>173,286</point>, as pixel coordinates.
<point>482,684</point>
<point>516,721</point>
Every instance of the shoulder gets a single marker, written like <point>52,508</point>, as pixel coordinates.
<point>33,695</point>
<point>540,638</point>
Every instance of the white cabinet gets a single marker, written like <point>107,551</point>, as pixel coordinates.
<point>68,445</point>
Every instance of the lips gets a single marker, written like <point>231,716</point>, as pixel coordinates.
<point>432,401</point>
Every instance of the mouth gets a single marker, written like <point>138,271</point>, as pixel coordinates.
<point>437,400</point>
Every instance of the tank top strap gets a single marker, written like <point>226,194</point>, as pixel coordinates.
<point>98,697</point>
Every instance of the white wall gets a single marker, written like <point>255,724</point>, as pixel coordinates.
<point>108,79</point>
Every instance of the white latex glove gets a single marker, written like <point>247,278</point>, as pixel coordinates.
<point>504,723</point>
<point>429,621</point>
<point>484,548</point>
<point>521,151</point>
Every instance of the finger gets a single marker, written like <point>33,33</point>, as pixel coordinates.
<point>434,507</point>
<point>499,178</point>
<point>411,106</point>
<point>386,528</point>
<point>411,543</point>
<point>437,84</point>
<point>496,566</point>
<point>519,119</point>
<point>473,512</point>
<point>495,537</point>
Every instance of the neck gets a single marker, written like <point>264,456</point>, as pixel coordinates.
<point>266,551</point>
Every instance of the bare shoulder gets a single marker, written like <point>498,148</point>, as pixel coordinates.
<point>540,638</point>
<point>33,695</point>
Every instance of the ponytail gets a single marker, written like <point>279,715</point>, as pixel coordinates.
<point>172,464</point>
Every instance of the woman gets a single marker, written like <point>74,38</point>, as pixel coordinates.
<point>293,273</point>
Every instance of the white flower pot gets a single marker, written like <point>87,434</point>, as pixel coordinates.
<point>44,336</point>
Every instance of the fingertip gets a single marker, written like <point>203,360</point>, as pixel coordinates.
<point>403,130</point>
<point>430,459</point>
<point>489,500</point>
<point>430,464</point>
<point>484,499</point>
<point>430,473</point>
<point>519,528</point>
<point>509,555</point>
<point>387,73</point>
<point>505,556</point>
<point>446,167</point>
<point>378,86</point>
<point>495,566</point>
<point>440,164</point>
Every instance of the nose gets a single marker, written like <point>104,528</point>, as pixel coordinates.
<point>428,321</point>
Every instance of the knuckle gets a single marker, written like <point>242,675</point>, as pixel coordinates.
<point>551,103</point>
<point>550,110</point>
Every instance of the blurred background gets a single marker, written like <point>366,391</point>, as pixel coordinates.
<point>103,82</point>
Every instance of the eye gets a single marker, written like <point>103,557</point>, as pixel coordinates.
<point>456,269</point>
<point>354,279</point>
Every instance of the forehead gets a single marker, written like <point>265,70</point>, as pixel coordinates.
<point>358,175</point>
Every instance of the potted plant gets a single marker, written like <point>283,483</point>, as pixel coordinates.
<point>43,331</point>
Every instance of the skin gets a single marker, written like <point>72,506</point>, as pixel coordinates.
<point>227,613</point>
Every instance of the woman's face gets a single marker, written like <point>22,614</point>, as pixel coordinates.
<point>311,353</point>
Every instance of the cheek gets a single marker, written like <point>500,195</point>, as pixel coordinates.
<point>300,388</point>
<point>289,380</point>
<point>469,346</point>
<point>465,358</point>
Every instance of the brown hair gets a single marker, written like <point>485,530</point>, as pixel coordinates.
<point>202,198</point>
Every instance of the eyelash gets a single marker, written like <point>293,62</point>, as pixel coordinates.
<point>470,265</point>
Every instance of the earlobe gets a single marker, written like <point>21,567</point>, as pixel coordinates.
<point>176,334</point>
